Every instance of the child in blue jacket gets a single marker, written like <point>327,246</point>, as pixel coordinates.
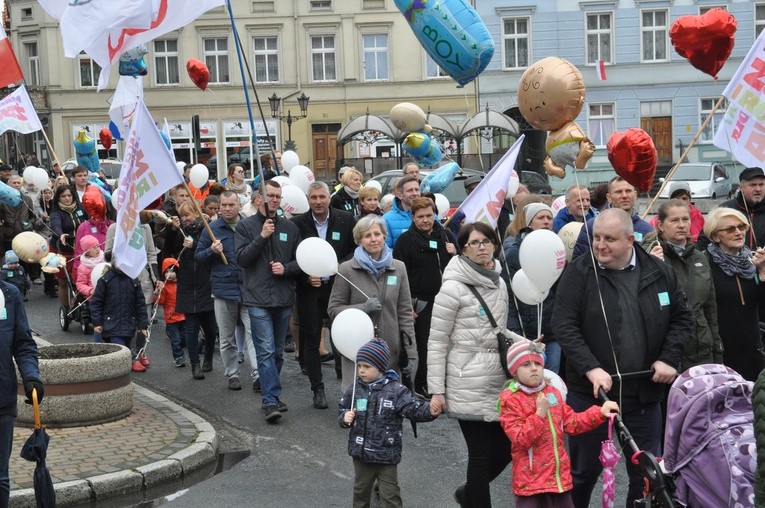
<point>13,273</point>
<point>380,405</point>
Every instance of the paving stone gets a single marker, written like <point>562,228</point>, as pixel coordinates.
<point>194,456</point>
<point>160,472</point>
<point>115,484</point>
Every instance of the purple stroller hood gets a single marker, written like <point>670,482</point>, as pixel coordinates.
<point>709,438</point>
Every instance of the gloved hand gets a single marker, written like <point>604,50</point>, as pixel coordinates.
<point>31,384</point>
<point>371,305</point>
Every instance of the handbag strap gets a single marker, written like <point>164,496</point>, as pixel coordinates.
<point>483,304</point>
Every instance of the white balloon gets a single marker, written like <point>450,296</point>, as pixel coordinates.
<point>31,175</point>
<point>555,380</point>
<point>443,205</point>
<point>525,290</point>
<point>289,160</point>
<point>282,180</point>
<point>98,272</point>
<point>293,200</point>
<point>40,179</point>
<point>557,204</point>
<point>513,184</point>
<point>27,174</point>
<point>569,234</point>
<point>374,184</point>
<point>199,175</point>
<point>302,177</point>
<point>351,329</point>
<point>180,165</point>
<point>543,257</point>
<point>316,257</point>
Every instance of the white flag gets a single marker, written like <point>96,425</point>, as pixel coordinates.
<point>148,170</point>
<point>742,131</point>
<point>123,104</point>
<point>18,114</point>
<point>485,202</point>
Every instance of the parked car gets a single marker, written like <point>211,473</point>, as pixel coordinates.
<point>706,180</point>
<point>241,157</point>
<point>110,167</point>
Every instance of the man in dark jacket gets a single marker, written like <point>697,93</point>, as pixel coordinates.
<point>225,282</point>
<point>648,323</point>
<point>336,227</point>
<point>16,343</point>
<point>265,249</point>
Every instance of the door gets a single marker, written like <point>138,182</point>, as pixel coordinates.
<point>660,130</point>
<point>324,142</point>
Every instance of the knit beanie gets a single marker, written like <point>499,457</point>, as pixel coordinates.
<point>532,209</point>
<point>375,353</point>
<point>523,351</point>
<point>88,242</point>
<point>11,257</point>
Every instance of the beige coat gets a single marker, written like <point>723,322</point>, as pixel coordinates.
<point>463,359</point>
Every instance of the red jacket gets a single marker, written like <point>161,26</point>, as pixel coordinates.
<point>540,461</point>
<point>167,299</point>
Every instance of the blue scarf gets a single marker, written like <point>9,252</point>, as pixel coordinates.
<point>371,265</point>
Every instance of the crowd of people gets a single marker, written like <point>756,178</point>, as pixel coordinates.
<point>663,296</point>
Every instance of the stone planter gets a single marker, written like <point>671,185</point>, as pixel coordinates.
<point>85,384</point>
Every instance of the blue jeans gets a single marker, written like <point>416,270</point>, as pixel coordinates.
<point>6,441</point>
<point>175,332</point>
<point>552,356</point>
<point>269,329</point>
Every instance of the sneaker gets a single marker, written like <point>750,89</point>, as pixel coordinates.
<point>37,282</point>
<point>179,362</point>
<point>234,383</point>
<point>137,367</point>
<point>240,357</point>
<point>256,385</point>
<point>272,413</point>
<point>289,347</point>
<point>281,407</point>
<point>144,360</point>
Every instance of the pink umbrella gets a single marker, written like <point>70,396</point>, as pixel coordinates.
<point>609,457</point>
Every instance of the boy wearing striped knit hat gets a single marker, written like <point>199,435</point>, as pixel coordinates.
<point>374,409</point>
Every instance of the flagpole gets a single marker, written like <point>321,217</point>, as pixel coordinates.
<point>684,154</point>
<point>204,221</point>
<point>50,147</point>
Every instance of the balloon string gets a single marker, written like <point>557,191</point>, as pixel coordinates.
<point>353,392</point>
<point>352,284</point>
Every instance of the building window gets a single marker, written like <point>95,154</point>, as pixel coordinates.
<point>759,19</point>
<point>323,58</point>
<point>89,71</point>
<point>263,5</point>
<point>26,13</point>
<point>33,63</point>
<point>601,123</point>
<point>216,59</point>
<point>517,45</point>
<point>321,5</point>
<point>166,61</point>
<point>704,10</point>
<point>432,69</point>
<point>375,57</point>
<point>600,35</point>
<point>266,52</point>
<point>705,108</point>
<point>654,36</point>
<point>372,4</point>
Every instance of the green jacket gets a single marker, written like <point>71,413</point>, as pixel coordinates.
<point>692,269</point>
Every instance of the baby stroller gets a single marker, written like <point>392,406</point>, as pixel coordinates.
<point>709,443</point>
<point>77,308</point>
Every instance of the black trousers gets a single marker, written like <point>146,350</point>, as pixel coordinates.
<point>312,306</point>
<point>421,334</point>
<point>488,455</point>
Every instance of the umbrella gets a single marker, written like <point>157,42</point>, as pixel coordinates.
<point>34,450</point>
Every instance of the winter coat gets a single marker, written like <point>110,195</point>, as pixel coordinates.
<point>339,236</point>
<point>540,462</point>
<point>225,280</point>
<point>17,277</point>
<point>150,273</point>
<point>564,217</point>
<point>194,294</point>
<point>376,435</point>
<point>391,287</point>
<point>96,228</point>
<point>397,220</point>
<point>118,305</point>
<point>254,254</point>
<point>641,228</point>
<point>84,284</point>
<point>20,218</point>
<point>578,320</point>
<point>342,201</point>
<point>697,222</point>
<point>738,320</point>
<point>63,222</point>
<point>167,298</point>
<point>425,258</point>
<point>756,216</point>
<point>16,343</point>
<point>463,360</point>
<point>695,278</point>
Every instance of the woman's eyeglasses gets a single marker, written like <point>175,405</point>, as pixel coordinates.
<point>732,229</point>
<point>480,243</point>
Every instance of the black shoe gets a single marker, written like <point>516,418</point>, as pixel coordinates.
<point>319,399</point>
<point>282,407</point>
<point>327,358</point>
<point>460,496</point>
<point>234,383</point>
<point>256,385</point>
<point>196,371</point>
<point>272,413</point>
<point>207,365</point>
<point>304,371</point>
<point>289,347</point>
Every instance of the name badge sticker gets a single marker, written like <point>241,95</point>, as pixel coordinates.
<point>361,404</point>
<point>94,229</point>
<point>481,311</point>
<point>552,399</point>
<point>638,236</point>
<point>283,237</point>
<point>392,280</point>
<point>433,244</point>
<point>10,274</point>
<point>663,298</point>
<point>336,235</point>
<point>3,314</point>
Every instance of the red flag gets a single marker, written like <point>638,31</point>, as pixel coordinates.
<point>600,67</point>
<point>10,72</point>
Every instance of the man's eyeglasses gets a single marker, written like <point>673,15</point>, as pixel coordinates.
<point>273,196</point>
<point>480,243</point>
<point>732,229</point>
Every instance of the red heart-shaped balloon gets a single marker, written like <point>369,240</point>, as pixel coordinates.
<point>105,136</point>
<point>633,156</point>
<point>705,40</point>
<point>198,72</point>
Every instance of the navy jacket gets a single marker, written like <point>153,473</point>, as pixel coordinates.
<point>225,280</point>
<point>376,433</point>
<point>118,305</point>
<point>16,342</point>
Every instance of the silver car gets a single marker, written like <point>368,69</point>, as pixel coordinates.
<point>706,180</point>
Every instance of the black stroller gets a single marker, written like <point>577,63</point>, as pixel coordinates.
<point>77,308</point>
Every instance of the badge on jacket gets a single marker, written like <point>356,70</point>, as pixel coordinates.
<point>283,237</point>
<point>663,298</point>
<point>336,235</point>
<point>433,244</point>
<point>361,404</point>
<point>392,280</point>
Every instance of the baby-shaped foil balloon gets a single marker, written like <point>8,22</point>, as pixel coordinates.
<point>85,149</point>
<point>132,62</point>
<point>550,97</point>
<point>424,150</point>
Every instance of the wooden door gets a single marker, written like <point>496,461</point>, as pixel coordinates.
<point>660,130</point>
<point>324,144</point>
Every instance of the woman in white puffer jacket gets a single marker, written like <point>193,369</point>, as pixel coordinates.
<point>465,375</point>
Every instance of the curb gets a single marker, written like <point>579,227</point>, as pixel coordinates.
<point>97,488</point>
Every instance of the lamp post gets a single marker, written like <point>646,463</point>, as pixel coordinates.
<point>275,102</point>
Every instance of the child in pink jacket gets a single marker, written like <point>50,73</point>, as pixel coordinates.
<point>92,255</point>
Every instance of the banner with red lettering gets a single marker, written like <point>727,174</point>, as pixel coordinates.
<point>485,202</point>
<point>18,114</point>
<point>148,170</point>
<point>742,131</point>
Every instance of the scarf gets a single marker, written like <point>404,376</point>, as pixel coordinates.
<point>352,193</point>
<point>68,208</point>
<point>733,264</point>
<point>92,262</point>
<point>239,189</point>
<point>374,266</point>
<point>528,389</point>
<point>489,274</point>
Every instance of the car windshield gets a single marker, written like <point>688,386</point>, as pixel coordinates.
<point>692,173</point>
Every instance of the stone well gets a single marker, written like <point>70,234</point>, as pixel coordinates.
<point>85,384</point>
